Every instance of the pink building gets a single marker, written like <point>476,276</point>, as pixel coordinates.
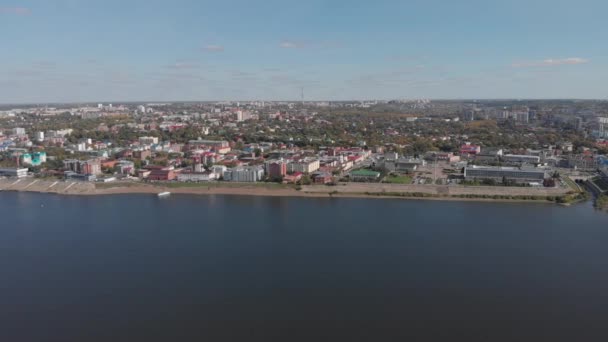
<point>277,170</point>
<point>470,149</point>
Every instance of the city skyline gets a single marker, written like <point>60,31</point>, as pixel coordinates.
<point>210,51</point>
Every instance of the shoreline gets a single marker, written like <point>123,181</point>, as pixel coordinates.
<point>89,189</point>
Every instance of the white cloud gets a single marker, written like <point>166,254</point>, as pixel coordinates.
<point>213,48</point>
<point>286,44</point>
<point>551,62</point>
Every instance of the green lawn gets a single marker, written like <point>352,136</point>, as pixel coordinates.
<point>571,183</point>
<point>399,179</point>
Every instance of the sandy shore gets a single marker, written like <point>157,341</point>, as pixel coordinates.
<point>435,193</point>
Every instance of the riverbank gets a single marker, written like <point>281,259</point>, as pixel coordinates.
<point>418,192</point>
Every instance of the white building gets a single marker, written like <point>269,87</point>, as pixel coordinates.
<point>242,115</point>
<point>80,147</point>
<point>196,176</point>
<point>304,166</point>
<point>60,133</point>
<point>19,173</point>
<point>244,174</point>
<point>18,131</point>
<point>40,136</point>
<point>148,140</point>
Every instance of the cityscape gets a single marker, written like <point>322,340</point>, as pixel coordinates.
<point>287,170</point>
<point>492,149</point>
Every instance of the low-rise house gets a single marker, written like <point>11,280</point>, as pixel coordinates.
<point>142,154</point>
<point>442,156</point>
<point>293,178</point>
<point>125,167</point>
<point>469,149</point>
<point>322,178</point>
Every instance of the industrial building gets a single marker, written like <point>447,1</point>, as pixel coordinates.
<point>364,176</point>
<point>498,174</point>
<point>516,158</point>
<point>404,164</point>
<point>10,172</point>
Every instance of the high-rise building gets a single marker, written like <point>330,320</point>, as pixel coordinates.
<point>40,136</point>
<point>18,131</point>
<point>578,123</point>
<point>469,115</point>
<point>277,169</point>
<point>89,167</point>
<point>603,127</point>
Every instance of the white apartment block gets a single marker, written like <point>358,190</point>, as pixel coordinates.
<point>304,166</point>
<point>244,174</point>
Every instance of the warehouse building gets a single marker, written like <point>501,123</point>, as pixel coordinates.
<point>498,174</point>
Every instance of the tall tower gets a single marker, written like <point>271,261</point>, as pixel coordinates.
<point>603,122</point>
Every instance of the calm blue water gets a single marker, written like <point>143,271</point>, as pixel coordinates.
<point>222,268</point>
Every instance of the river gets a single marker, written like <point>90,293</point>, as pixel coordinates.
<point>231,268</point>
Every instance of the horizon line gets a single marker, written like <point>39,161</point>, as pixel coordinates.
<point>299,101</point>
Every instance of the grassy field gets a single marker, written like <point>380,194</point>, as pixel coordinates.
<point>571,183</point>
<point>601,202</point>
<point>398,179</point>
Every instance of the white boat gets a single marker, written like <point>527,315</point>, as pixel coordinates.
<point>164,194</point>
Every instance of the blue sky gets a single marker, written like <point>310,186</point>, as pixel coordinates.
<point>152,50</point>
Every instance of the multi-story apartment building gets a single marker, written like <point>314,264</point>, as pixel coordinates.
<point>244,174</point>
<point>304,166</point>
<point>276,168</point>
<point>88,167</point>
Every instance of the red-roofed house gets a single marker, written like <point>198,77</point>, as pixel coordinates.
<point>293,178</point>
<point>470,149</point>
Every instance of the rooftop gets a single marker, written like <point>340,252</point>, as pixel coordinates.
<point>365,173</point>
